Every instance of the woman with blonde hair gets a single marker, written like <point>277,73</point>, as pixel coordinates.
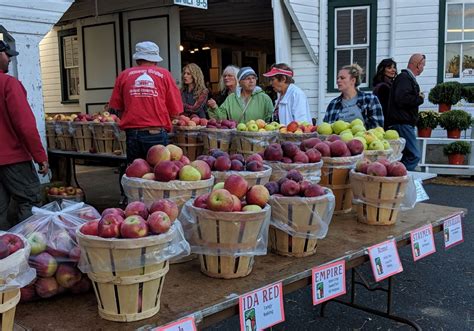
<point>227,85</point>
<point>194,92</point>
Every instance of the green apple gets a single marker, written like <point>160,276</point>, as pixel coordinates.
<point>37,241</point>
<point>252,208</point>
<point>356,122</point>
<point>339,126</point>
<point>376,145</point>
<point>357,128</point>
<point>347,136</point>
<point>218,186</point>
<point>325,128</point>
<point>241,127</point>
<point>391,135</point>
<point>370,137</point>
<point>386,144</point>
<point>360,134</point>
<point>379,129</point>
<point>269,127</point>
<point>253,127</point>
<point>189,173</point>
<point>345,131</point>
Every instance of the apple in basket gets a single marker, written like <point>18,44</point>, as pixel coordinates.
<point>116,211</point>
<point>258,195</point>
<point>237,203</point>
<point>109,226</point>
<point>168,206</point>
<point>138,168</point>
<point>37,241</point>
<point>201,201</point>
<point>396,169</point>
<point>91,228</point>
<point>134,226</point>
<point>67,275</point>
<point>236,185</point>
<point>251,208</point>
<point>377,169</point>
<point>157,154</point>
<point>136,208</point>
<point>203,168</point>
<point>220,200</point>
<point>159,222</point>
<point>45,264</point>
<point>166,171</point>
<point>12,241</point>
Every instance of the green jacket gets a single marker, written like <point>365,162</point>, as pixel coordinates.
<point>260,106</point>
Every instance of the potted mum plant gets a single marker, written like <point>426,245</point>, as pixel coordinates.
<point>427,121</point>
<point>445,95</point>
<point>456,151</point>
<point>454,122</point>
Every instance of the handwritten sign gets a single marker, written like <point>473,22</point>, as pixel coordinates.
<point>422,242</point>
<point>202,4</point>
<point>421,194</point>
<point>453,231</point>
<point>329,281</point>
<point>385,260</point>
<point>262,308</point>
<point>185,324</point>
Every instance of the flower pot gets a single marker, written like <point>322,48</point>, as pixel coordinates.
<point>425,132</point>
<point>457,159</point>
<point>444,107</point>
<point>454,133</point>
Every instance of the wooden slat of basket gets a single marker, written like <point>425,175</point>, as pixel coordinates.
<point>337,179</point>
<point>82,136</point>
<point>151,290</point>
<point>220,139</point>
<point>8,303</point>
<point>191,144</point>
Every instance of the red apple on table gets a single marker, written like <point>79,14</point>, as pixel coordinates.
<point>175,152</point>
<point>91,228</point>
<point>138,168</point>
<point>67,275</point>
<point>258,195</point>
<point>236,185</point>
<point>109,226</point>
<point>134,226</point>
<point>136,208</point>
<point>166,171</point>
<point>201,201</point>
<point>377,169</point>
<point>13,242</point>
<point>397,169</point>
<point>157,154</point>
<point>159,222</point>
<point>203,168</point>
<point>44,263</point>
<point>46,287</point>
<point>222,163</point>
<point>220,200</point>
<point>168,206</point>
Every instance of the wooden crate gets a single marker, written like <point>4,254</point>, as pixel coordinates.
<point>189,139</point>
<point>252,177</point>
<point>376,155</point>
<point>296,138</point>
<point>248,143</point>
<point>82,134</point>
<point>310,171</point>
<point>217,138</point>
<point>51,136</point>
<point>125,295</point>
<point>377,199</point>
<point>105,137</point>
<point>65,136</point>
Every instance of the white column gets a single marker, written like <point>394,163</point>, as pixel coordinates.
<point>282,32</point>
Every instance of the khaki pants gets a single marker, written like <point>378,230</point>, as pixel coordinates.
<point>18,182</point>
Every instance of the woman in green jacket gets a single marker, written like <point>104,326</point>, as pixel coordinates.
<point>248,102</point>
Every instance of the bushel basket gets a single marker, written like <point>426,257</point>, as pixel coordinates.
<point>310,171</point>
<point>217,138</point>
<point>64,135</point>
<point>248,143</point>
<point>296,138</point>
<point>189,139</point>
<point>252,177</point>
<point>82,134</point>
<point>374,155</point>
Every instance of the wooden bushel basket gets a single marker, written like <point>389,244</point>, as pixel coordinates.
<point>335,175</point>
<point>377,198</point>
<point>248,143</point>
<point>374,155</point>
<point>105,137</point>
<point>252,177</point>
<point>310,171</point>
<point>131,295</point>
<point>236,230</point>
<point>398,145</point>
<point>189,139</point>
<point>217,138</point>
<point>8,303</point>
<point>65,137</point>
<point>82,136</point>
<point>296,138</point>
<point>300,214</point>
<point>51,136</point>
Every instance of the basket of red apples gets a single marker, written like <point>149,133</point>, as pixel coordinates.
<point>297,132</point>
<point>218,134</point>
<point>14,274</point>
<point>57,193</point>
<point>166,173</point>
<point>254,137</point>
<point>223,165</point>
<point>187,135</point>
<point>379,188</point>
<point>228,227</point>
<point>126,254</point>
<point>290,156</point>
<point>301,213</point>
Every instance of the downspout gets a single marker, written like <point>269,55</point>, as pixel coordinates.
<point>393,17</point>
<point>322,60</point>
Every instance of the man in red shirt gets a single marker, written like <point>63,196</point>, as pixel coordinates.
<point>19,144</point>
<point>146,97</point>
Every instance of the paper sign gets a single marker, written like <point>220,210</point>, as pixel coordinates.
<point>202,4</point>
<point>385,260</point>
<point>262,308</point>
<point>421,194</point>
<point>185,324</point>
<point>329,281</point>
<point>422,242</point>
<point>453,231</point>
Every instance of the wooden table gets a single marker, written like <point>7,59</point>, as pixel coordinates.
<point>187,291</point>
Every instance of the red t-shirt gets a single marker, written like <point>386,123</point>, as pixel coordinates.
<point>19,138</point>
<point>146,96</point>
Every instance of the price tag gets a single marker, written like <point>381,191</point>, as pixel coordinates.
<point>421,194</point>
<point>329,281</point>
<point>185,324</point>
<point>262,308</point>
<point>385,260</point>
<point>453,231</point>
<point>422,242</point>
<point>202,4</point>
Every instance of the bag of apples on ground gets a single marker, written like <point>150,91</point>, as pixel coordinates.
<point>129,250</point>
<point>51,233</point>
<point>250,168</point>
<point>228,227</point>
<point>166,173</point>
<point>289,156</point>
<point>380,190</point>
<point>301,213</point>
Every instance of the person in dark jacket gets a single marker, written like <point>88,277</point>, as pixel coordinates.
<point>382,82</point>
<point>405,98</point>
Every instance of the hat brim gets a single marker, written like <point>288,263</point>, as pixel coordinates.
<point>270,74</point>
<point>147,57</point>
<point>11,52</point>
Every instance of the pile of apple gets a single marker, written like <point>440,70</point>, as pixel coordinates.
<point>294,185</point>
<point>234,195</point>
<point>95,118</point>
<point>221,161</point>
<point>221,124</point>
<point>167,163</point>
<point>185,121</point>
<point>298,128</point>
<point>64,191</point>
<point>136,221</point>
<point>258,126</point>
<point>289,152</point>
<point>381,168</point>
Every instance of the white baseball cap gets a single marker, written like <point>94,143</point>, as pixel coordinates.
<point>147,50</point>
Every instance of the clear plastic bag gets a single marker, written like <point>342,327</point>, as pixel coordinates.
<point>374,155</point>
<point>398,145</point>
<point>252,177</point>
<point>226,233</point>
<point>310,171</point>
<point>247,143</point>
<point>297,138</point>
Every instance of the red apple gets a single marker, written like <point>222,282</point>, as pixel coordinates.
<point>254,166</point>
<point>220,200</point>
<point>138,168</point>
<point>53,191</point>
<point>285,159</point>
<point>157,154</point>
<point>313,155</point>
<point>91,228</point>
<point>300,157</point>
<point>254,157</point>
<point>238,157</point>
<point>333,137</point>
<point>303,186</point>
<point>355,146</point>
<point>3,250</point>
<point>168,206</point>
<point>362,165</point>
<point>323,148</point>
<point>60,244</point>
<point>314,190</point>
<point>376,169</point>
<point>28,292</point>
<point>134,226</point>
<point>338,148</point>
<point>13,242</point>
<point>236,185</point>
<point>46,287</point>
<point>273,152</point>
<point>203,168</point>
<point>136,208</point>
<point>309,143</point>
<point>159,222</point>
<point>294,175</point>
<point>166,171</point>
<point>67,275</point>
<point>184,160</point>
<point>115,211</point>
<point>208,159</point>
<point>272,187</point>
<point>236,165</point>
<point>385,162</point>
<point>44,264</point>
<point>82,286</point>
<point>201,201</point>
<point>222,163</point>
<point>289,149</point>
<point>258,195</point>
<point>109,226</point>
<point>396,169</point>
<point>290,188</point>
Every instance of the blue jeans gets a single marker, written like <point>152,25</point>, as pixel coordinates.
<point>139,141</point>
<point>411,153</point>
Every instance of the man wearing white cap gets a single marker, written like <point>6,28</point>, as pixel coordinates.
<point>248,102</point>
<point>146,97</point>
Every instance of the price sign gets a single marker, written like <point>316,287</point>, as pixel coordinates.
<point>262,308</point>
<point>329,281</point>
<point>385,260</point>
<point>422,242</point>
<point>185,324</point>
<point>202,4</point>
<point>421,194</point>
<point>453,231</point>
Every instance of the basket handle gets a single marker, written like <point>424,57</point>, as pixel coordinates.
<point>10,303</point>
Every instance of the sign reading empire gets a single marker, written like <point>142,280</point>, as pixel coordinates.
<point>202,4</point>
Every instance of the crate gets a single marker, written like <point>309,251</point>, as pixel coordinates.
<point>189,139</point>
<point>248,143</point>
<point>51,136</point>
<point>105,137</point>
<point>65,137</point>
<point>82,136</point>
<point>217,138</point>
<point>252,177</point>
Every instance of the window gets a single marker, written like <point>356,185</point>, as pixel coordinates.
<point>352,31</point>
<point>69,65</point>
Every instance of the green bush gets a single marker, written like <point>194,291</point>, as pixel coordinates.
<point>427,119</point>
<point>448,93</point>
<point>457,147</point>
<point>455,119</point>
<point>468,93</point>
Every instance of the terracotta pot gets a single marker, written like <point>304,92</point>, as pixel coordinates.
<point>444,107</point>
<point>454,134</point>
<point>425,132</point>
<point>457,159</point>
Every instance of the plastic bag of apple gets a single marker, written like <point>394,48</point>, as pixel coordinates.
<point>50,232</point>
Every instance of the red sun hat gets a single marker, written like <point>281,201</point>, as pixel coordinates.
<point>277,71</point>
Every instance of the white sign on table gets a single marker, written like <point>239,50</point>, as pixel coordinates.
<point>262,308</point>
<point>185,324</point>
<point>422,242</point>
<point>328,281</point>
<point>385,260</point>
<point>202,4</point>
<point>421,194</point>
<point>453,231</point>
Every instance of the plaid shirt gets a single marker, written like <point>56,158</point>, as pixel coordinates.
<point>369,105</point>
